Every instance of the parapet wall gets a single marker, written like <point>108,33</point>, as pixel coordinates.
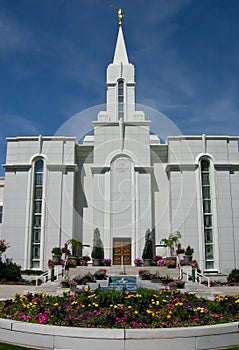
<point>72,338</point>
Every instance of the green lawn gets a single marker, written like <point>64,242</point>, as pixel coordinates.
<point>4,346</point>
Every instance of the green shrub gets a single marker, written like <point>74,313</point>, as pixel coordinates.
<point>32,272</point>
<point>148,246</point>
<point>10,272</point>
<point>233,276</point>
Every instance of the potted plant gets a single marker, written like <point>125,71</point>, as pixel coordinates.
<point>166,279</point>
<point>79,280</point>
<point>65,250</point>
<point>101,277</point>
<point>76,248</point>
<point>155,278</point>
<point>171,263</point>
<point>107,262</point>
<point>180,251</point>
<point>148,249</point>
<point>65,283</point>
<point>98,250</point>
<point>101,274</point>
<point>188,255</point>
<point>3,247</point>
<point>73,285</point>
<point>180,284</point>
<point>161,262</point>
<point>71,262</point>
<point>56,255</point>
<point>84,260</point>
<point>172,285</point>
<point>138,262</point>
<point>171,242</point>
<point>145,275</point>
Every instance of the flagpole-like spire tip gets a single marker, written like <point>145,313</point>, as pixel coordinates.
<point>120,14</point>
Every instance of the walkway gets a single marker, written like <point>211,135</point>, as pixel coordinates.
<point>9,291</point>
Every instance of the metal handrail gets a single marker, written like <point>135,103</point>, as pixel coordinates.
<point>42,277</point>
<point>198,276</point>
<point>59,271</point>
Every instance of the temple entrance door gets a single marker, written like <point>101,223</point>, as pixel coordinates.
<point>122,251</point>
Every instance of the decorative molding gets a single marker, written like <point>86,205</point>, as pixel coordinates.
<point>16,167</point>
<point>181,167</point>
<point>61,167</point>
<point>99,169</point>
<point>144,169</point>
<point>226,166</point>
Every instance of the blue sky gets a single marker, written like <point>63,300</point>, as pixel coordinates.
<point>54,53</point>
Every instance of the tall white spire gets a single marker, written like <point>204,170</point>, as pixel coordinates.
<point>120,55</point>
<point>120,84</point>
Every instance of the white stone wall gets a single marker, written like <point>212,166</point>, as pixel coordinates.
<point>1,199</point>
<point>14,214</point>
<point>185,193</point>
<point>58,195</point>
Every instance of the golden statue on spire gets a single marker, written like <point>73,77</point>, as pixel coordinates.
<point>120,16</point>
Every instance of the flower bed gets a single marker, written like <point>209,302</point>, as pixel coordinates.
<point>112,309</point>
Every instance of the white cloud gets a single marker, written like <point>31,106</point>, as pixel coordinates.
<point>14,124</point>
<point>14,36</point>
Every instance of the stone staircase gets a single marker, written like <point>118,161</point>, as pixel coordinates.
<point>199,289</point>
<point>125,270</point>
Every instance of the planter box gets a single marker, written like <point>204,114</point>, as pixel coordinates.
<point>147,262</point>
<point>156,280</point>
<point>56,259</point>
<point>96,262</point>
<point>187,259</point>
<point>103,283</point>
<point>145,277</point>
<point>93,285</point>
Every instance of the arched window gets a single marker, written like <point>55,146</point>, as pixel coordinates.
<point>120,99</point>
<point>207,214</point>
<point>37,213</point>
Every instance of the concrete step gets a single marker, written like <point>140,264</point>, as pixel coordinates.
<point>128,270</point>
<point>199,289</point>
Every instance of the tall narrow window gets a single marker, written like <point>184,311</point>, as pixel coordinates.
<point>120,99</point>
<point>1,208</point>
<point>207,214</point>
<point>37,214</point>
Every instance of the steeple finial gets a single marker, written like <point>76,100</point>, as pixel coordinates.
<point>120,14</point>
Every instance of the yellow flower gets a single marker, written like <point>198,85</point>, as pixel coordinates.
<point>136,312</point>
<point>129,307</point>
<point>168,317</point>
<point>56,304</point>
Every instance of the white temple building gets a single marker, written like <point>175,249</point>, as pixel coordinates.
<point>123,181</point>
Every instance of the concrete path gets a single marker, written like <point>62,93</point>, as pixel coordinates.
<point>9,291</point>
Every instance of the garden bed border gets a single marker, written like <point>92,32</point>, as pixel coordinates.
<point>73,338</point>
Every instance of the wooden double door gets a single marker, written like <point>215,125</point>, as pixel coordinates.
<point>122,251</point>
